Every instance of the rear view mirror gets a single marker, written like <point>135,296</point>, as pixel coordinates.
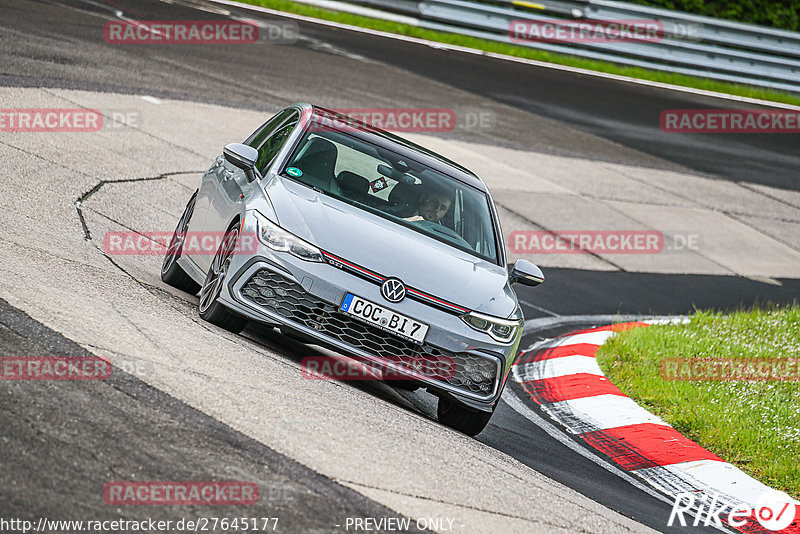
<point>242,156</point>
<point>525,273</point>
<point>394,174</point>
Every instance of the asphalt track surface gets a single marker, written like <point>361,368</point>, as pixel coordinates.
<point>558,112</point>
<point>122,428</point>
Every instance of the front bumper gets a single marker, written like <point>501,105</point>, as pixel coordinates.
<point>278,288</point>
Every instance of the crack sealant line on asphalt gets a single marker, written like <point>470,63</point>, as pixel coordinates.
<point>88,237</point>
<point>602,197</point>
<point>85,196</point>
<point>152,289</point>
<point>123,225</point>
<point>732,215</point>
<point>631,217</point>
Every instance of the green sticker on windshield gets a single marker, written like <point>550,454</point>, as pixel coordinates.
<point>294,171</point>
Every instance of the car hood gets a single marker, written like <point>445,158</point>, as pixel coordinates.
<point>390,249</point>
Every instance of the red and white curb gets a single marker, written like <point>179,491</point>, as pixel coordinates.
<point>562,376</point>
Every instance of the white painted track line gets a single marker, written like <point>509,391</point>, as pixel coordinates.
<point>590,338</point>
<point>723,477</point>
<point>555,367</point>
<point>607,411</point>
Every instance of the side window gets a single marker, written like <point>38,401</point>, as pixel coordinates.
<point>458,209</point>
<point>257,138</point>
<point>272,144</point>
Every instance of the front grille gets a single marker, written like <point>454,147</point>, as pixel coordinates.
<point>288,299</point>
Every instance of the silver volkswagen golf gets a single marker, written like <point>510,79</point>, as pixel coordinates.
<point>352,238</point>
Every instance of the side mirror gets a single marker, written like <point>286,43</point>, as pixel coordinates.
<point>525,273</point>
<point>242,156</point>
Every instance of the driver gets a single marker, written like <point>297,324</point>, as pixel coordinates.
<point>432,205</point>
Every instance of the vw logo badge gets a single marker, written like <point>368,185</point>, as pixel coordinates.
<point>393,290</point>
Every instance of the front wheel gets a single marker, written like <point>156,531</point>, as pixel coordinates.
<point>457,417</point>
<point>210,308</point>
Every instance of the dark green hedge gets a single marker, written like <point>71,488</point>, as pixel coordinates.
<point>783,14</point>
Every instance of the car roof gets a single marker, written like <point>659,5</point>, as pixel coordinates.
<point>395,143</point>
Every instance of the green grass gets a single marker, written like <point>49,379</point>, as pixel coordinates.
<point>529,53</point>
<point>753,425</point>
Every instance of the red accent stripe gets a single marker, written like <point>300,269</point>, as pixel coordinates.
<point>646,445</point>
<point>569,387</point>
<point>354,266</point>
<point>437,300</point>
<point>752,525</point>
<point>376,275</point>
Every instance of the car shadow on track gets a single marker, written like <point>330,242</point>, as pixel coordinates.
<point>419,401</point>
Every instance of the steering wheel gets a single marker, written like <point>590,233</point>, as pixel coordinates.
<point>436,227</point>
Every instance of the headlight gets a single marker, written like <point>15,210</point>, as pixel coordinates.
<point>502,330</point>
<point>280,240</point>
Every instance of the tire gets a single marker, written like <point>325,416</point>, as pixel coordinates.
<point>457,417</point>
<point>172,273</point>
<point>211,309</point>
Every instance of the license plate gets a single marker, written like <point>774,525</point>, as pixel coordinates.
<point>387,320</point>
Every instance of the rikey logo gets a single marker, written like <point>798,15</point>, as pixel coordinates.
<point>393,290</point>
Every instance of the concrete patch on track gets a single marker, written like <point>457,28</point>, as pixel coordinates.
<point>116,307</point>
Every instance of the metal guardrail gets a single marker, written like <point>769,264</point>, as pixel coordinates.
<point>690,44</point>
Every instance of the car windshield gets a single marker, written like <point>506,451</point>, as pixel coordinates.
<point>395,188</point>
